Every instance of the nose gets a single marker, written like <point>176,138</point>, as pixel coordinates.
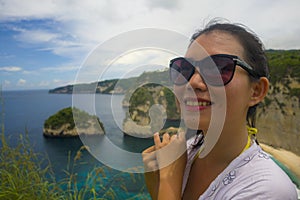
<point>196,82</point>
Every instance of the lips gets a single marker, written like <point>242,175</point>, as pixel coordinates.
<point>196,104</point>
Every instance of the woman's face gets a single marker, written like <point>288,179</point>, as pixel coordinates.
<point>197,98</point>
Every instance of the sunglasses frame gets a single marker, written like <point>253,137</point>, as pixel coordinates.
<point>236,60</point>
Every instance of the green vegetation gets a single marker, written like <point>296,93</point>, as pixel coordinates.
<point>140,102</point>
<point>22,176</point>
<point>27,175</point>
<point>284,68</point>
<point>122,84</point>
<point>116,85</point>
<point>140,97</point>
<point>104,87</point>
<point>66,116</point>
<point>60,118</point>
<point>144,97</point>
<point>283,64</point>
<point>295,92</point>
<point>157,77</point>
<point>172,110</point>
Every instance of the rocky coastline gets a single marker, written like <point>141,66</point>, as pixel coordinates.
<point>65,132</point>
<point>72,122</point>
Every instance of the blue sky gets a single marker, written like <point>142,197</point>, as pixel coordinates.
<point>45,43</point>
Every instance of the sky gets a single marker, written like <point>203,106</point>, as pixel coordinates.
<point>46,44</point>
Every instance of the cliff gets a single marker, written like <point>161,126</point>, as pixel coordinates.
<point>113,86</point>
<point>278,122</point>
<point>149,107</point>
<point>278,116</point>
<point>70,122</point>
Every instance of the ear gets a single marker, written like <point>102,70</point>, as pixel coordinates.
<point>259,90</point>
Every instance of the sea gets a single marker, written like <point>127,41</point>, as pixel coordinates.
<point>25,113</point>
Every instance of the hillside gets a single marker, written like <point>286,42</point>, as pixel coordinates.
<point>278,116</point>
<point>115,86</point>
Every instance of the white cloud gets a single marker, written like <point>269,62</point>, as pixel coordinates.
<point>21,82</point>
<point>133,64</point>
<point>36,36</point>
<point>60,69</point>
<point>81,25</point>
<point>165,4</point>
<point>73,29</point>
<point>59,43</point>
<point>30,72</point>
<point>10,69</point>
<point>13,9</point>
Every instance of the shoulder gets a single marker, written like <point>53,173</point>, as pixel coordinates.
<point>253,175</point>
<point>262,178</point>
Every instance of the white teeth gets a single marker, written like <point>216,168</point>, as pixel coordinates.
<point>196,103</point>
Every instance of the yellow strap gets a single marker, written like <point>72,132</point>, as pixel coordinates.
<point>251,130</point>
<point>198,153</point>
<point>247,145</point>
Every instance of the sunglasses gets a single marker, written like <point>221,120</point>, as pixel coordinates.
<point>216,70</point>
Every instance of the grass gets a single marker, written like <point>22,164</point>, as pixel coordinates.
<point>22,176</point>
<point>25,174</point>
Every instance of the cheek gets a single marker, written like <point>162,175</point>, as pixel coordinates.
<point>238,97</point>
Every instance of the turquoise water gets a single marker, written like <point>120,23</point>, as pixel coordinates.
<point>27,111</point>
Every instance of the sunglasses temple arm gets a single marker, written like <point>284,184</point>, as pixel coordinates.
<point>247,67</point>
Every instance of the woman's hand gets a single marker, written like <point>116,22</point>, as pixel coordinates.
<point>170,155</point>
<point>164,165</point>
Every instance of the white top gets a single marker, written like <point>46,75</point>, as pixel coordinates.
<point>252,175</point>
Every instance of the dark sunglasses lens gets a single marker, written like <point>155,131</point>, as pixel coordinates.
<point>220,72</point>
<point>215,70</point>
<point>180,71</point>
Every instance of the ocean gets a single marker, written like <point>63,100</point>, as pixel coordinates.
<point>26,111</point>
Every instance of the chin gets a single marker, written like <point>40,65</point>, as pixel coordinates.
<point>195,124</point>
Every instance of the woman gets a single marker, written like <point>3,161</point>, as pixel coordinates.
<point>234,167</point>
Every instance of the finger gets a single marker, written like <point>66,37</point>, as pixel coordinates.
<point>157,142</point>
<point>148,157</point>
<point>149,150</point>
<point>166,138</point>
<point>174,137</point>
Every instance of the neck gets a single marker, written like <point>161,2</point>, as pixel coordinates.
<point>230,144</point>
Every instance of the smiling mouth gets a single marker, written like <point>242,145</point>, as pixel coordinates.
<point>195,104</point>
